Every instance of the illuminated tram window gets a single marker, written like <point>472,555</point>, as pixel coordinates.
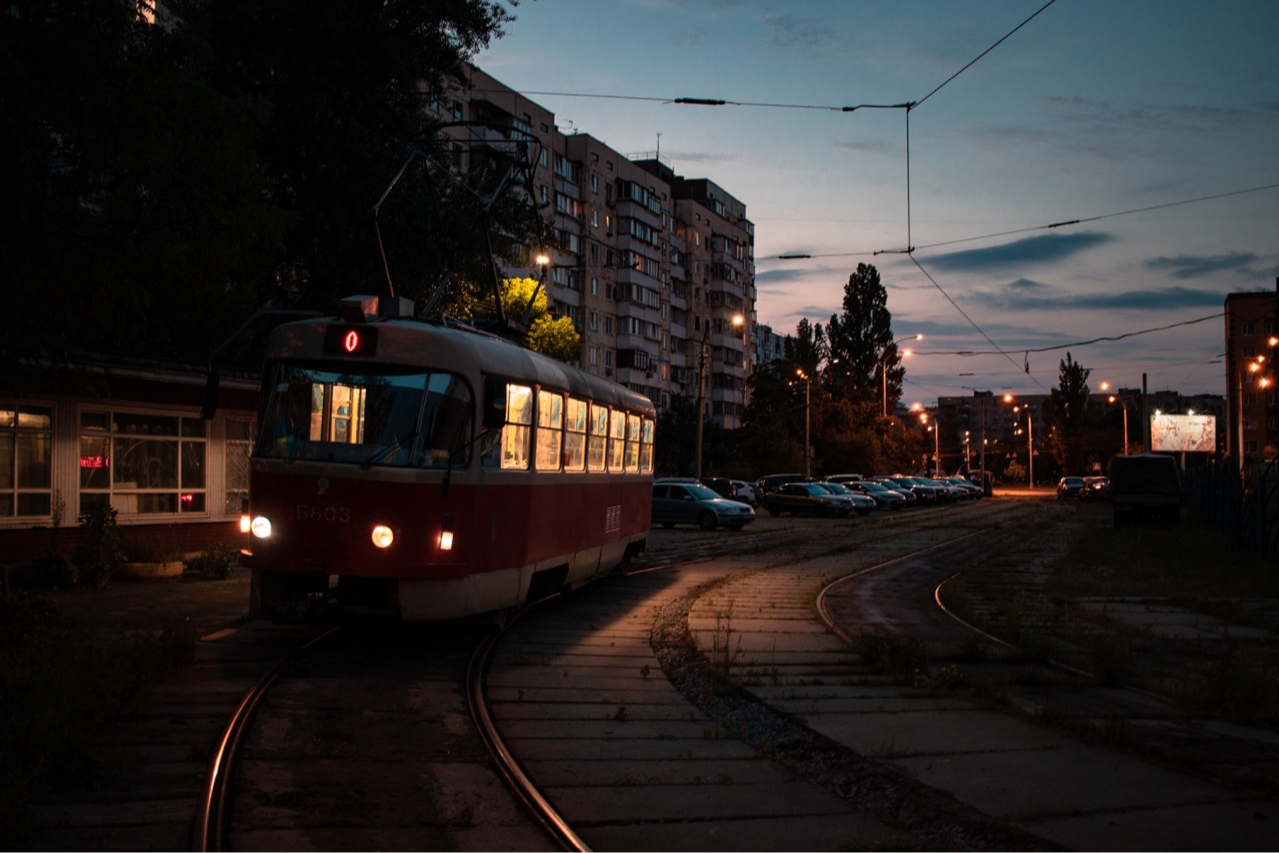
<point>646,446</point>
<point>512,450</point>
<point>617,441</point>
<point>574,434</point>
<point>598,439</point>
<point>632,443</point>
<point>550,419</point>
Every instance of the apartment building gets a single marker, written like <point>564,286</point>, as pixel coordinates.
<point>657,270</point>
<point>1251,350</point>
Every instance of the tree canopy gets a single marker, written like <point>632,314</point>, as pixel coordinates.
<point>861,340</point>
<point>1067,408</point>
<point>165,181</point>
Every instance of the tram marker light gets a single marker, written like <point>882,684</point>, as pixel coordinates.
<point>446,534</point>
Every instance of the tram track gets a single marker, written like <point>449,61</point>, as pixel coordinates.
<point>559,830</point>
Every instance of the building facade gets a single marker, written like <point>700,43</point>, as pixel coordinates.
<point>657,271</point>
<point>1251,350</point>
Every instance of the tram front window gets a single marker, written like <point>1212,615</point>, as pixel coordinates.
<point>404,419</point>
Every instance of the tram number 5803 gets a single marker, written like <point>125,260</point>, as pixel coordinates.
<point>311,512</point>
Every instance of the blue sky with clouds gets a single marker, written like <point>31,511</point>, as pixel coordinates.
<point>1153,127</point>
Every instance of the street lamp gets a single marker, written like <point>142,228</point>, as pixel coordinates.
<point>1123,401</point>
<point>883,365</point>
<point>738,320</point>
<point>1030,441</point>
<point>934,428</point>
<point>807,454</point>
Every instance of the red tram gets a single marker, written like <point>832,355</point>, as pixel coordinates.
<point>432,471</point>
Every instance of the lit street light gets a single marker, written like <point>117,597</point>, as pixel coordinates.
<point>883,366</point>
<point>738,319</point>
<point>934,428</point>
<point>1030,441</point>
<point>1123,401</point>
<point>807,451</point>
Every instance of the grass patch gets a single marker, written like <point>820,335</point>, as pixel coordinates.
<point>60,687</point>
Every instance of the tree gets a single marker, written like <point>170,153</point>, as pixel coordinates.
<point>164,182</point>
<point>1067,412</point>
<point>860,340</point>
<point>553,336</point>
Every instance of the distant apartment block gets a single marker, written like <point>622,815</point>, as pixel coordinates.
<point>1251,350</point>
<point>657,271</point>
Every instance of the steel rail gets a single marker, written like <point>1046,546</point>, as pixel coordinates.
<point>210,818</point>
<point>516,779</point>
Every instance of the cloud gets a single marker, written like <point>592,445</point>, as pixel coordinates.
<point>1027,295</point>
<point>1041,249</point>
<point>1191,266</point>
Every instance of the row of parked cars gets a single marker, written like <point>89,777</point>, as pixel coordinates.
<point>719,502</point>
<point>1084,488</point>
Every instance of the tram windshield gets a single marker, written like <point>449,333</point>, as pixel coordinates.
<point>406,418</point>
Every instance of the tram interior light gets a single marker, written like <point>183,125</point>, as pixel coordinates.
<point>383,536</point>
<point>261,527</point>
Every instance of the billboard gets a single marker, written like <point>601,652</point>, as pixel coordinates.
<point>1196,433</point>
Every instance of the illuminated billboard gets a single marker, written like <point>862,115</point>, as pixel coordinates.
<point>1196,433</point>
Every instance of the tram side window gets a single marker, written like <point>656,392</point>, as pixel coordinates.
<point>574,434</point>
<point>550,436</point>
<point>632,443</point>
<point>511,450</point>
<point>598,439</point>
<point>617,441</point>
<point>646,446</point>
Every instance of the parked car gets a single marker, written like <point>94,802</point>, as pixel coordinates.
<point>925,494</point>
<point>804,498</point>
<point>972,490</point>
<point>692,503</point>
<point>746,492</point>
<point>844,478</point>
<point>862,504</point>
<point>1068,487</point>
<point>1095,489</point>
<point>884,497</point>
<point>721,486</point>
<point>771,482</point>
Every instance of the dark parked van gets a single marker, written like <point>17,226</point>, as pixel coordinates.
<point>1145,487</point>
<point>771,482</point>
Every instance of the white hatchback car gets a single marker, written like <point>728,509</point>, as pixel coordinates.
<point>746,492</point>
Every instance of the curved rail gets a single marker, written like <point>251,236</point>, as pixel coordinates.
<point>211,809</point>
<point>516,779</point>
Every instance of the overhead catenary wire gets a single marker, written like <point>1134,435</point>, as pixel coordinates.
<point>1028,229</point>
<point>1104,339</point>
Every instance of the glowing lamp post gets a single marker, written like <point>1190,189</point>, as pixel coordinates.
<point>1122,401</point>
<point>738,320</point>
<point>884,366</point>
<point>807,454</point>
<point>1030,441</point>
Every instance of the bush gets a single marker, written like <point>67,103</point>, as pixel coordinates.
<point>100,554</point>
<point>217,560</point>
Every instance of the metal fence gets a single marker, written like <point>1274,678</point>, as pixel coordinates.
<point>1243,505</point>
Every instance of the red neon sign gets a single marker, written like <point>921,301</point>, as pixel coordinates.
<point>351,342</point>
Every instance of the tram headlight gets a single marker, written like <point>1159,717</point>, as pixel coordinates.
<point>261,527</point>
<point>383,536</point>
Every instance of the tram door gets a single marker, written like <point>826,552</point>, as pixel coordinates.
<point>340,411</point>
